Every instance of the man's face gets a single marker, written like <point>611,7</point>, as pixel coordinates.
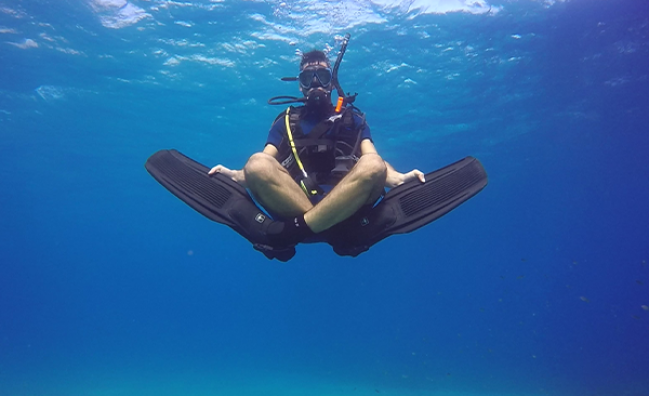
<point>315,82</point>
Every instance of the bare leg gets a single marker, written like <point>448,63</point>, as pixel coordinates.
<point>274,188</point>
<point>362,185</point>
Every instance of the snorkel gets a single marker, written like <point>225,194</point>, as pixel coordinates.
<point>342,98</point>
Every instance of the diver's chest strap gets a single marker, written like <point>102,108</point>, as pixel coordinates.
<point>305,142</point>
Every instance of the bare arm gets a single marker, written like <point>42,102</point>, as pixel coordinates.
<point>238,175</point>
<point>393,177</point>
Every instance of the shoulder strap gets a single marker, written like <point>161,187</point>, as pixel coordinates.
<point>294,121</point>
<point>346,120</point>
<point>291,140</point>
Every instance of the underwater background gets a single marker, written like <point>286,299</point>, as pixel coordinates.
<point>539,285</point>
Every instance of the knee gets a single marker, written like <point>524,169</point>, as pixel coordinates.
<point>259,167</point>
<point>373,168</point>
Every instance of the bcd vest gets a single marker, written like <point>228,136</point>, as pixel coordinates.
<point>328,151</point>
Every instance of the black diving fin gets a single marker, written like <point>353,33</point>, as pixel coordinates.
<point>409,206</point>
<point>216,197</point>
<point>402,210</point>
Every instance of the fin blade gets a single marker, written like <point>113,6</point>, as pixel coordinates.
<point>188,180</point>
<point>444,190</point>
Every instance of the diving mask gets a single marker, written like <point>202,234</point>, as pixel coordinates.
<point>323,75</point>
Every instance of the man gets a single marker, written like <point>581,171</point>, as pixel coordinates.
<point>306,189</point>
<point>319,176</point>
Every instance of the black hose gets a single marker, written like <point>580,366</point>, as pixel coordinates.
<point>277,100</point>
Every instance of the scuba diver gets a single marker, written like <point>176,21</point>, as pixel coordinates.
<point>319,165</point>
<point>319,177</point>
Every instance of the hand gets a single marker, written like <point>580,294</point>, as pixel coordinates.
<point>414,174</point>
<point>395,178</point>
<point>235,175</point>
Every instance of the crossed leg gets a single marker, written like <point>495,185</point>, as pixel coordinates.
<point>276,190</point>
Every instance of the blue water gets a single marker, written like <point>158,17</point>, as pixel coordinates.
<point>111,286</point>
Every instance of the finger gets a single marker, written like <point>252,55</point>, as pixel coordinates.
<point>420,175</point>
<point>214,170</point>
<point>415,174</point>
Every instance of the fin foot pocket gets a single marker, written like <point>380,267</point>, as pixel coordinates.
<point>352,251</point>
<point>281,254</point>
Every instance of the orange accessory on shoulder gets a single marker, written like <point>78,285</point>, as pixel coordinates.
<point>339,105</point>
